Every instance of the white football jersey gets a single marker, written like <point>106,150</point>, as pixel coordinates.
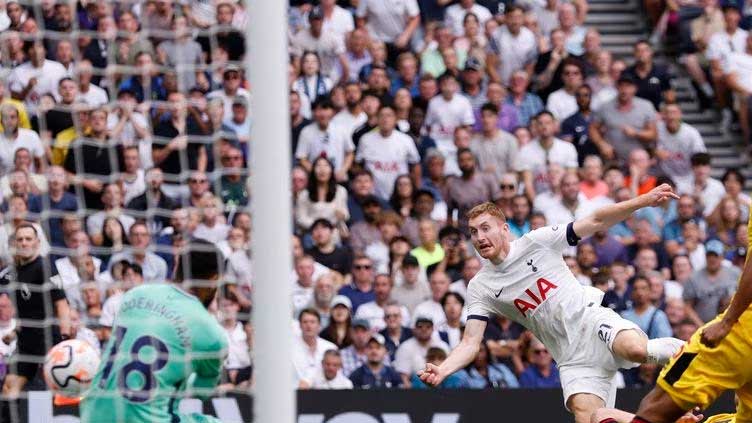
<point>534,287</point>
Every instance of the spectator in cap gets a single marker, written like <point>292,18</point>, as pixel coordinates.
<point>411,355</point>
<point>624,124</point>
<point>472,84</point>
<point>326,250</point>
<point>331,376</point>
<point>239,122</point>
<point>324,292</point>
<point>355,355</point>
<point>414,288</point>
<point>338,331</point>
<point>374,311</point>
<point>709,290</point>
<point>360,290</point>
<point>374,373</point>
<point>707,190</point>
<point>394,332</point>
<point>308,348</point>
<point>439,284</point>
<point>329,46</point>
<point>322,139</point>
<point>232,81</point>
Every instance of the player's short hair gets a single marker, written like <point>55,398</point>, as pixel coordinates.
<point>201,261</point>
<point>486,208</point>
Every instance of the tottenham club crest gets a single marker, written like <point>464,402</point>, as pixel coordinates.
<point>532,266</point>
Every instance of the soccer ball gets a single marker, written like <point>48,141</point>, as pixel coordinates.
<point>70,367</point>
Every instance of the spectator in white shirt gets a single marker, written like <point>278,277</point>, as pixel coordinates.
<point>411,354</point>
<point>388,153</point>
<point>393,22</point>
<point>352,116</point>
<point>308,348</point>
<point>707,190</point>
<point>35,78</point>
<point>447,112</point>
<point>329,46</point>
<point>337,20</point>
<point>212,227</point>
<point>302,291</point>
<point>512,47</point>
<point>374,311</point>
<point>454,16</point>
<point>14,137</point>
<point>439,283</point>
<point>562,102</point>
<point>536,156</point>
<point>452,303</point>
<point>731,40</point>
<point>677,142</point>
<point>330,376</point>
<point>154,267</point>
<point>89,93</point>
<point>238,363</point>
<point>566,206</point>
<point>321,138</point>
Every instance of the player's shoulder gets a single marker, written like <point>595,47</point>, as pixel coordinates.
<point>481,278</point>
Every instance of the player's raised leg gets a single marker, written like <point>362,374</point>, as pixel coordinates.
<point>634,346</point>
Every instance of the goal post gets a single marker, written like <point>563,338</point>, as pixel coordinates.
<point>274,392</point>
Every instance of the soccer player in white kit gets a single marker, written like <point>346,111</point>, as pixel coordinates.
<point>528,281</point>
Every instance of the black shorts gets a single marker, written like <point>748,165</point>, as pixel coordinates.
<point>31,348</point>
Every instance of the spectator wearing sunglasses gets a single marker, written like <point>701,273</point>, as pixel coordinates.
<point>542,371</point>
<point>360,290</point>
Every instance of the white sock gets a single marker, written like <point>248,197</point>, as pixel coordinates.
<point>661,350</point>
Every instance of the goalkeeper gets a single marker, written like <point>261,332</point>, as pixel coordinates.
<point>164,344</point>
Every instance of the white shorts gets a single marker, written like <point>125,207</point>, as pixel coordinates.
<point>592,368</point>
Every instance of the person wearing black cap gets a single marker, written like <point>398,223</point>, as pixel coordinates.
<point>411,355</point>
<point>355,355</point>
<point>374,374</point>
<point>623,124</point>
<point>414,288</point>
<point>326,251</point>
<point>329,46</point>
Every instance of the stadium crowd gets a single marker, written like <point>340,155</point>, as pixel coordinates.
<point>126,131</point>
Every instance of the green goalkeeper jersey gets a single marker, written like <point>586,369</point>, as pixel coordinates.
<point>163,342</point>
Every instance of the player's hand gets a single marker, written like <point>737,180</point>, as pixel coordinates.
<point>431,375</point>
<point>693,416</point>
<point>714,333</point>
<point>660,195</point>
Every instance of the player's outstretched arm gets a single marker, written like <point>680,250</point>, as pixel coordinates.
<point>608,216</point>
<point>714,333</point>
<point>460,357</point>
